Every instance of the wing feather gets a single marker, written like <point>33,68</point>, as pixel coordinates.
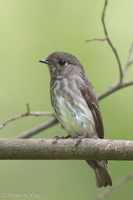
<point>90,97</point>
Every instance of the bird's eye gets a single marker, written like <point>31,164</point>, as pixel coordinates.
<point>62,62</point>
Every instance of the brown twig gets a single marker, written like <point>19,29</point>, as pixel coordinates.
<point>129,60</point>
<point>110,42</point>
<point>97,39</point>
<point>122,72</point>
<point>107,38</point>
<point>117,86</point>
<point>27,113</point>
<point>117,184</point>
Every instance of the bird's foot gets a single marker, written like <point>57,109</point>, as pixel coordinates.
<point>63,137</point>
<point>80,138</point>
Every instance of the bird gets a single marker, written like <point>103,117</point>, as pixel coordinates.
<point>76,106</point>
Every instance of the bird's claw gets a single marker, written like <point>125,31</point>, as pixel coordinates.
<point>63,137</point>
<point>79,139</point>
<point>57,137</point>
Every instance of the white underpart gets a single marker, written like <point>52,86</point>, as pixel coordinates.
<point>76,122</point>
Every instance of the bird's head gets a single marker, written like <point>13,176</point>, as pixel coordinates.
<point>62,64</point>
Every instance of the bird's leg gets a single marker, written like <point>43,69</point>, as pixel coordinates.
<point>57,137</point>
<point>80,138</point>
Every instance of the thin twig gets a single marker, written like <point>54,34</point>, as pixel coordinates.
<point>27,113</point>
<point>97,39</point>
<point>107,38</point>
<point>129,60</point>
<point>117,86</point>
<point>110,42</point>
<point>117,184</point>
<point>38,129</point>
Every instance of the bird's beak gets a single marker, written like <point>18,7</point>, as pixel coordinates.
<point>45,61</point>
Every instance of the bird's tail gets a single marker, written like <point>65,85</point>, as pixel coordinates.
<point>102,174</point>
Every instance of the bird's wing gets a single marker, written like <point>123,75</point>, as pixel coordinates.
<point>89,95</point>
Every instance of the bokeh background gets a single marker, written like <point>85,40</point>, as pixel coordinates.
<point>30,30</point>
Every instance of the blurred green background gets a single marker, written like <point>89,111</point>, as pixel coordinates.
<point>30,30</point>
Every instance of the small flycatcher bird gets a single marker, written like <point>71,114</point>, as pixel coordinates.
<point>76,106</point>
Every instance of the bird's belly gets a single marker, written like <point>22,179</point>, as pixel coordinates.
<point>76,119</point>
<point>71,122</point>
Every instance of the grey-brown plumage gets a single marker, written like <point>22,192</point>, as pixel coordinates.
<point>76,106</point>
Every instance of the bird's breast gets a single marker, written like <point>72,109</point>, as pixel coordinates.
<point>72,111</point>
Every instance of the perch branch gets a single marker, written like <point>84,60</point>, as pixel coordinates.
<point>65,149</point>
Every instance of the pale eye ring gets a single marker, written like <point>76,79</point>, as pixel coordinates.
<point>62,62</point>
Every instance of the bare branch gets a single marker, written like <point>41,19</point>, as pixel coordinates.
<point>27,113</point>
<point>97,39</point>
<point>129,60</point>
<point>38,129</point>
<point>65,149</point>
<point>117,184</point>
<point>117,86</point>
<point>109,40</point>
